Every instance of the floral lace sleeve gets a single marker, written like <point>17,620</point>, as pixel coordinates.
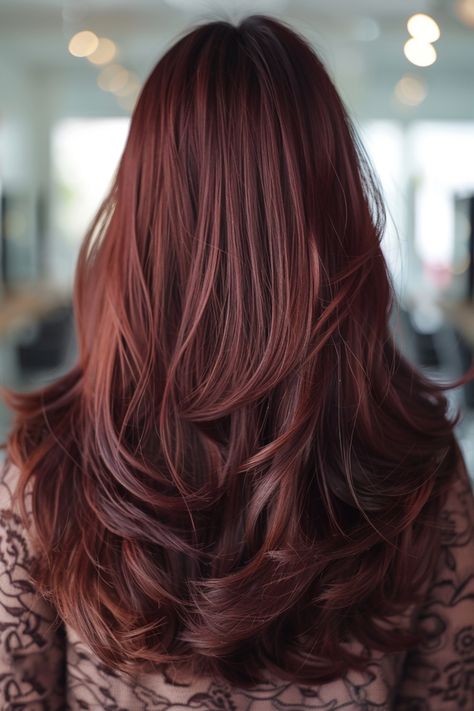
<point>32,646</point>
<point>439,675</point>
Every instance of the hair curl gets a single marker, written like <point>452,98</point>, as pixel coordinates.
<point>241,471</point>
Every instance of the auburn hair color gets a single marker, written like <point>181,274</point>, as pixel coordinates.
<point>241,472</point>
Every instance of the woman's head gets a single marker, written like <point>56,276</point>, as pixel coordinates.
<point>240,448</point>
<point>241,202</point>
<point>244,231</point>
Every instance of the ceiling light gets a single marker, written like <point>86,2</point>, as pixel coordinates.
<point>366,29</point>
<point>113,78</point>
<point>420,53</point>
<point>83,43</point>
<point>423,28</point>
<point>410,90</point>
<point>131,87</point>
<point>105,51</point>
<point>464,9</point>
<point>127,102</point>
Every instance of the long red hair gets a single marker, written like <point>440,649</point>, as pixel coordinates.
<point>241,470</point>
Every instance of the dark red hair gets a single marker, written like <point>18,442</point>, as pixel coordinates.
<point>241,471</point>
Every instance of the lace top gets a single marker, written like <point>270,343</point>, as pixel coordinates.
<point>47,667</point>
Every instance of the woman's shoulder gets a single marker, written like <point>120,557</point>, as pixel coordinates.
<point>32,644</point>
<point>17,554</point>
<point>9,475</point>
<point>438,672</point>
<point>15,546</point>
<point>457,523</point>
<point>10,512</point>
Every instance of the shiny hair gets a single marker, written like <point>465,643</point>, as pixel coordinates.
<point>241,471</point>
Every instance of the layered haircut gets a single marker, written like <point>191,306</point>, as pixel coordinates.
<point>241,472</point>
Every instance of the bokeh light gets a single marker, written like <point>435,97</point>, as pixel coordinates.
<point>420,53</point>
<point>83,43</point>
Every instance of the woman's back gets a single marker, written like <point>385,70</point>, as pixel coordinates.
<point>241,479</point>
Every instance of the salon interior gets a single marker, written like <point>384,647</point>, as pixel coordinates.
<point>70,74</point>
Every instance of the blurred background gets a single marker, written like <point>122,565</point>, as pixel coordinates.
<point>70,72</point>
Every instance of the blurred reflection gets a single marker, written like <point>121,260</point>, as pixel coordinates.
<point>84,156</point>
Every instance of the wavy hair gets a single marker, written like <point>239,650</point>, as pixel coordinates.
<point>241,471</point>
